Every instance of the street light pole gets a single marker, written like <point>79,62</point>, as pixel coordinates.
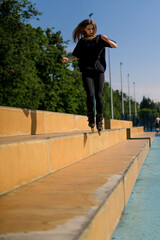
<point>129,98</point>
<point>122,90</point>
<point>110,83</point>
<point>135,99</point>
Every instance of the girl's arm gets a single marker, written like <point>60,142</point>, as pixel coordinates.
<point>69,59</point>
<point>111,43</point>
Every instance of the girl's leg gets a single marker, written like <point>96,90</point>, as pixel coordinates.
<point>88,85</point>
<point>99,85</point>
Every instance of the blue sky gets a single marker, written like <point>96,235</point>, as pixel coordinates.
<point>133,24</point>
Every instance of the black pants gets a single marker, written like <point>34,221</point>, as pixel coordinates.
<point>91,79</point>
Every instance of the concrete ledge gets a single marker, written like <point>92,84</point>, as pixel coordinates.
<point>133,131</point>
<point>146,135</point>
<point>28,159</point>
<point>138,133</point>
<point>115,124</point>
<point>16,121</point>
<point>81,202</point>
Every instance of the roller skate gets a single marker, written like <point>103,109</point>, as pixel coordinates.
<point>99,118</point>
<point>91,121</point>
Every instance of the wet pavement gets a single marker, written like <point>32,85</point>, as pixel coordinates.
<point>141,219</point>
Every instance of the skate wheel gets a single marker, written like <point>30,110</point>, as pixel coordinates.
<point>99,132</point>
<point>92,129</point>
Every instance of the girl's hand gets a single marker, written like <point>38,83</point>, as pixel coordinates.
<point>69,59</point>
<point>64,59</point>
<point>105,38</point>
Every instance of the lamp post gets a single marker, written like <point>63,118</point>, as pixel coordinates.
<point>112,117</point>
<point>122,90</point>
<point>129,98</point>
<point>135,99</point>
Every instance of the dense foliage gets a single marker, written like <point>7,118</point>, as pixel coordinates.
<point>31,71</point>
<point>148,112</point>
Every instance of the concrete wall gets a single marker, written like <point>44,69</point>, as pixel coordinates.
<point>16,121</point>
<point>132,132</point>
<point>114,124</point>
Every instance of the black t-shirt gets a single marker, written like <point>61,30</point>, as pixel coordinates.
<point>91,54</point>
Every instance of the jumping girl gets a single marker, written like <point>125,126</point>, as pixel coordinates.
<point>90,51</point>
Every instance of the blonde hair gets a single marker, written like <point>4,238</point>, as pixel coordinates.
<point>79,31</point>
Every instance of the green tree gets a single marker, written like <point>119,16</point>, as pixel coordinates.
<point>19,83</point>
<point>148,112</point>
<point>117,104</point>
<point>32,74</point>
<point>148,117</point>
<point>106,101</point>
<point>63,87</point>
<point>147,103</point>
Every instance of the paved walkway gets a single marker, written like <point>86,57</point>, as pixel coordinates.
<point>141,219</point>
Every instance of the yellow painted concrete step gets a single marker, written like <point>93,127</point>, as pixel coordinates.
<point>114,124</point>
<point>27,158</point>
<point>17,121</point>
<point>81,202</point>
<point>138,133</point>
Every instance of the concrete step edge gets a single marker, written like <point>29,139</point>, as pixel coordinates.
<point>113,195</point>
<point>44,156</point>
